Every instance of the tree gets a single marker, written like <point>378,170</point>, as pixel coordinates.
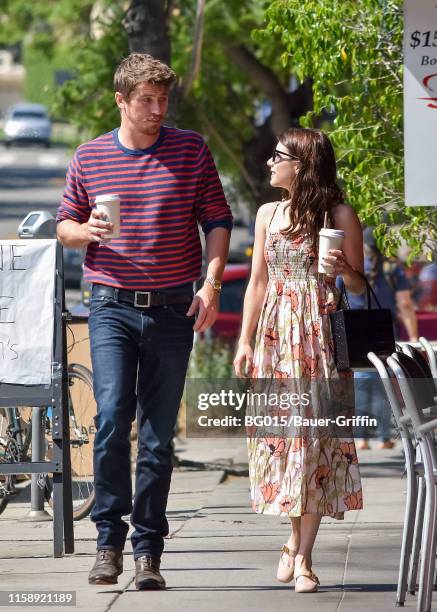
<point>352,51</point>
<point>225,77</point>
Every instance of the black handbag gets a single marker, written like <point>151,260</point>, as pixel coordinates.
<point>357,332</point>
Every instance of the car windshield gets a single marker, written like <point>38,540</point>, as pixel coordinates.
<point>232,295</point>
<point>28,115</point>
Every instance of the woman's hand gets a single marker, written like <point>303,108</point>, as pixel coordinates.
<point>339,266</point>
<point>243,361</point>
<point>337,262</point>
<point>349,261</point>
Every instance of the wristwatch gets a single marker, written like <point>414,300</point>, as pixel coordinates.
<point>215,284</point>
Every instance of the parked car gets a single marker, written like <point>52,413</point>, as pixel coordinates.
<point>234,281</point>
<point>27,123</point>
<point>73,260</point>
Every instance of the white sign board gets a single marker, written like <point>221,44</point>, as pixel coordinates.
<point>27,285</point>
<point>420,102</point>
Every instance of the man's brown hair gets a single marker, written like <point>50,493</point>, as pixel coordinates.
<point>138,68</point>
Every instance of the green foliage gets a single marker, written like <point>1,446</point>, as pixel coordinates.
<point>352,51</point>
<point>19,16</point>
<point>41,68</point>
<point>211,359</point>
<point>87,100</point>
<point>56,35</point>
<point>220,104</point>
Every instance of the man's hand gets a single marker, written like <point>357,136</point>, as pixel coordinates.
<point>96,229</point>
<point>206,304</point>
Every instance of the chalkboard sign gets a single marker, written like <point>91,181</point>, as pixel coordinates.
<point>27,286</point>
<point>33,361</point>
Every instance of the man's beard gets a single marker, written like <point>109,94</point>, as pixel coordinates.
<point>151,130</point>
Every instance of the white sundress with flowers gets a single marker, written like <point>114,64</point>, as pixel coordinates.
<point>298,475</point>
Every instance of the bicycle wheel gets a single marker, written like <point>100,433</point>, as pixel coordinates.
<point>81,408</point>
<point>7,481</point>
<point>4,483</point>
<point>9,453</point>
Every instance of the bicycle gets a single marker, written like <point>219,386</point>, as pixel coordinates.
<point>15,444</point>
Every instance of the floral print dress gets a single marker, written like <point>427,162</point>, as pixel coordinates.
<point>293,476</point>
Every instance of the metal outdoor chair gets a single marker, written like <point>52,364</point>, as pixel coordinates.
<point>418,412</point>
<point>415,499</point>
<point>419,370</point>
<point>431,354</point>
<point>418,357</point>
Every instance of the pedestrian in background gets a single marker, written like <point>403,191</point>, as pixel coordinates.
<point>427,288</point>
<point>142,307</point>
<point>392,289</point>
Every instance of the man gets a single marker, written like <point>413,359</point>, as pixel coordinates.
<point>142,308</point>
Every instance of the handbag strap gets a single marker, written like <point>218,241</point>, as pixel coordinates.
<point>369,294</point>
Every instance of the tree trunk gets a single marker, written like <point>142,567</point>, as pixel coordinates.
<point>286,107</point>
<point>268,82</point>
<point>146,25</point>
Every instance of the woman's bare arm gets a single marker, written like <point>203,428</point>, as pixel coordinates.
<point>255,292</point>
<point>346,219</point>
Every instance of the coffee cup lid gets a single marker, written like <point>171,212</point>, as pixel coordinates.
<point>327,231</point>
<point>107,197</point>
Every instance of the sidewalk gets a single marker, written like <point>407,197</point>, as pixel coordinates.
<point>220,554</point>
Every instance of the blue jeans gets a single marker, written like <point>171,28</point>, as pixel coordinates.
<point>371,400</point>
<point>137,354</point>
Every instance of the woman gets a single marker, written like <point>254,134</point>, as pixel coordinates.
<point>290,302</point>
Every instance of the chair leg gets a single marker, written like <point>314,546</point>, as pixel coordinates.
<point>412,578</point>
<point>429,584</point>
<point>407,536</point>
<point>427,563</point>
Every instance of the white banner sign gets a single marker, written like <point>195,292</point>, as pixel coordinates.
<point>420,102</point>
<point>27,284</point>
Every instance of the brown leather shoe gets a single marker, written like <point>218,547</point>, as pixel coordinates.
<point>147,575</point>
<point>108,565</point>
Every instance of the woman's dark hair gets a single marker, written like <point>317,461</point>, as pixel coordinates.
<point>314,189</point>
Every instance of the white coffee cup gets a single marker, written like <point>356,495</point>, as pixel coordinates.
<point>328,239</point>
<point>109,204</point>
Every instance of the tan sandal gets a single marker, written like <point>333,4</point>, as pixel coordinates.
<point>301,587</point>
<point>285,571</point>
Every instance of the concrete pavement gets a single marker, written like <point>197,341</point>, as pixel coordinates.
<point>220,554</point>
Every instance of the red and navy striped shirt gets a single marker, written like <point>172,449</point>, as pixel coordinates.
<point>165,191</point>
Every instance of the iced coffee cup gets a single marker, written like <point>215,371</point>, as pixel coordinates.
<point>328,239</point>
<point>109,205</point>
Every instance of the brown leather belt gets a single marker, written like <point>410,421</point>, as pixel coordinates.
<point>141,299</point>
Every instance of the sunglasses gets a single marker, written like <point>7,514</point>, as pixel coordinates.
<point>281,155</point>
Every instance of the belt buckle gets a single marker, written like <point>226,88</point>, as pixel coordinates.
<point>148,294</point>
